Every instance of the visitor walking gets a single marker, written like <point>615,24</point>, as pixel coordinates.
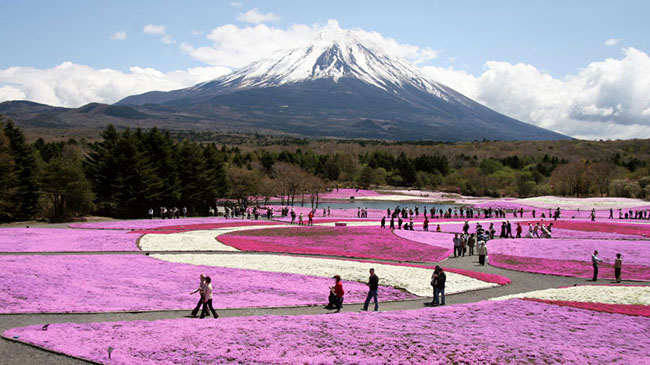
<point>201,290</point>
<point>456,245</point>
<point>471,242</point>
<point>439,288</point>
<point>595,260</point>
<point>373,285</point>
<point>383,222</point>
<point>482,252</point>
<point>618,265</point>
<point>207,299</point>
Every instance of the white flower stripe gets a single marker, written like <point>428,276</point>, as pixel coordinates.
<point>638,295</point>
<point>201,240</point>
<point>412,279</point>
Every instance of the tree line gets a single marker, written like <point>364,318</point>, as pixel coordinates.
<point>129,171</point>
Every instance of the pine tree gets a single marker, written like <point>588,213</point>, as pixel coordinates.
<point>8,186</point>
<point>27,190</point>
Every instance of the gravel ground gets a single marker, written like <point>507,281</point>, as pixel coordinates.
<point>18,353</point>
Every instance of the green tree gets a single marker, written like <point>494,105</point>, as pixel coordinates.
<point>25,169</point>
<point>65,188</point>
<point>7,180</point>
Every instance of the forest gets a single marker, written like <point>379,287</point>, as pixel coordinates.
<point>125,172</point>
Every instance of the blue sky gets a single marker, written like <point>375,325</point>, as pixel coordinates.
<point>556,36</point>
<point>473,40</point>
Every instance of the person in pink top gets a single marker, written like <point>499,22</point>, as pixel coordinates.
<point>207,299</point>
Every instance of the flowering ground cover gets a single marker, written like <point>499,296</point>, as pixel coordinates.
<point>513,331</point>
<point>413,278</point>
<point>102,283</point>
<point>571,257</point>
<point>206,226</point>
<point>53,239</point>
<point>360,242</point>
<point>623,299</point>
<point>438,240</point>
<point>610,226</point>
<point>143,224</point>
<point>200,240</point>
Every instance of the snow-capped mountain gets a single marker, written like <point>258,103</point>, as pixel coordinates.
<point>339,85</point>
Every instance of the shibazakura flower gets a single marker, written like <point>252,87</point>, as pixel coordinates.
<point>91,283</point>
<point>360,242</point>
<point>413,278</point>
<point>513,331</point>
<point>54,239</point>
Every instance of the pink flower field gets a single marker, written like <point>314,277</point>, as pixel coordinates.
<point>143,224</point>
<point>360,242</point>
<point>434,239</point>
<point>570,257</point>
<point>53,239</point>
<point>627,309</point>
<point>205,226</point>
<point>608,226</point>
<point>103,283</point>
<point>515,331</point>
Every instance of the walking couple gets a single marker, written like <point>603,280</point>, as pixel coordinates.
<point>205,288</point>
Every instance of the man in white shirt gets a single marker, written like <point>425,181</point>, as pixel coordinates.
<point>207,299</point>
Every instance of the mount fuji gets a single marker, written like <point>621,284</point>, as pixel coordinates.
<point>339,85</point>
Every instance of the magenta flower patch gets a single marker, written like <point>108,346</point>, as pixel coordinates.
<point>53,239</point>
<point>360,242</point>
<point>627,309</point>
<point>514,331</point>
<point>103,283</point>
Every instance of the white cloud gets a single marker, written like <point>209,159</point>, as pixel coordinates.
<point>159,30</point>
<point>154,29</point>
<point>234,46</point>
<point>236,4</point>
<point>118,36</point>
<point>254,16</point>
<point>612,42</point>
<point>73,85</point>
<point>606,99</point>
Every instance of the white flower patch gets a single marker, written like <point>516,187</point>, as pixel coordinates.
<point>202,240</point>
<point>639,295</point>
<point>588,203</point>
<point>412,279</point>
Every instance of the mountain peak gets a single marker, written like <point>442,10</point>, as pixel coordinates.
<point>332,54</point>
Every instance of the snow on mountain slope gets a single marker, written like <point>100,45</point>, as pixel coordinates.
<point>335,53</point>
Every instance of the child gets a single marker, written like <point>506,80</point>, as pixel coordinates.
<point>618,264</point>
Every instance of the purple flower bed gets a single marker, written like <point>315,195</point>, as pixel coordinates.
<point>575,268</point>
<point>634,252</point>
<point>102,283</point>
<point>514,331</point>
<point>154,223</point>
<point>438,240</point>
<point>52,239</point>
<point>361,242</point>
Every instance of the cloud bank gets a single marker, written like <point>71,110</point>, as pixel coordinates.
<point>74,85</point>
<point>605,99</point>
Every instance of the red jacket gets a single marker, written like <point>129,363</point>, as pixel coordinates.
<point>338,289</point>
